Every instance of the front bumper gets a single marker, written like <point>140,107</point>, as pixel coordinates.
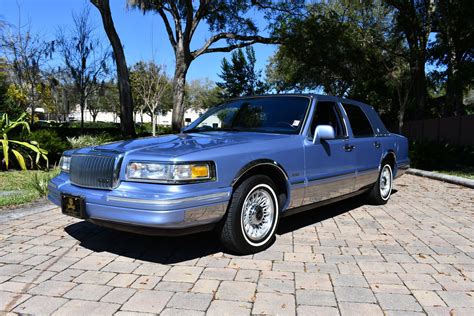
<point>150,206</point>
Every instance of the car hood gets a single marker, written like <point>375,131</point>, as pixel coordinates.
<point>182,144</point>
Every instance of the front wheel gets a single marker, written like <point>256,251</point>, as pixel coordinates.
<point>252,216</point>
<point>382,189</point>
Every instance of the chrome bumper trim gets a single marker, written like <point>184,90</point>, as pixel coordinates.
<point>170,202</point>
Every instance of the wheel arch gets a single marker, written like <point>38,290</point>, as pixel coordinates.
<point>391,158</point>
<point>270,168</point>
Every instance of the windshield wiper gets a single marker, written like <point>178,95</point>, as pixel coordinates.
<point>200,130</point>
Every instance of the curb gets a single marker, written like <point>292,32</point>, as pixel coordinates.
<point>25,210</point>
<point>442,177</point>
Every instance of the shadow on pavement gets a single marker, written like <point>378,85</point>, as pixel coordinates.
<point>167,250</point>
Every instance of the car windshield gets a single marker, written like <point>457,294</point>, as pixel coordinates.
<point>283,114</point>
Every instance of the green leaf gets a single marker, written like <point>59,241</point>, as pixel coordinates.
<point>5,151</point>
<point>20,159</point>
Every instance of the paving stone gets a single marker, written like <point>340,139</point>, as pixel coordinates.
<point>274,304</point>
<point>174,286</point>
<point>354,294</point>
<point>118,295</point>
<point>18,287</point>
<point>317,310</point>
<point>180,312</point>
<point>52,288</point>
<point>315,297</point>
<point>222,307</point>
<point>276,285</point>
<point>80,307</point>
<point>206,286</point>
<point>428,298</point>
<point>147,301</point>
<point>314,281</point>
<point>146,282</point>
<point>194,301</point>
<point>92,292</point>
<point>264,265</point>
<point>248,275</point>
<point>349,280</point>
<point>219,273</point>
<point>120,267</point>
<point>398,302</point>
<point>183,274</point>
<point>349,309</point>
<point>458,299</point>
<point>152,269</point>
<point>94,277</point>
<point>92,262</point>
<point>9,300</point>
<point>123,280</point>
<point>40,305</point>
<point>34,276</point>
<point>236,291</point>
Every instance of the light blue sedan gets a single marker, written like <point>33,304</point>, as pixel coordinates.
<point>238,169</point>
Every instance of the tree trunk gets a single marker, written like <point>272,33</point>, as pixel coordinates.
<point>123,79</point>
<point>179,84</point>
<point>419,84</point>
<point>153,123</point>
<point>83,108</point>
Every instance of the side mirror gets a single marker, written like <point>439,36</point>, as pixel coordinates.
<point>323,132</point>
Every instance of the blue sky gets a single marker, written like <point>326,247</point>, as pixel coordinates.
<point>143,36</point>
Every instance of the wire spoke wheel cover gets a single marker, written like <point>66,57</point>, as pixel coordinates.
<point>259,213</point>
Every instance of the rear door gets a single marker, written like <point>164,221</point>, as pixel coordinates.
<point>367,148</point>
<point>330,167</point>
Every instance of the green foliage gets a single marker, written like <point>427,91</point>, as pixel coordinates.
<point>88,140</point>
<point>203,94</point>
<point>239,75</point>
<point>438,156</point>
<point>50,141</point>
<point>40,180</point>
<point>19,149</point>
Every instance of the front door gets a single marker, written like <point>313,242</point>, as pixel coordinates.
<point>367,148</point>
<point>330,164</point>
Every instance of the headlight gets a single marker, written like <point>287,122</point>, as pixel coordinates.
<point>65,163</point>
<point>170,172</point>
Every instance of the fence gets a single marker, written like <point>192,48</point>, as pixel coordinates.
<point>458,130</point>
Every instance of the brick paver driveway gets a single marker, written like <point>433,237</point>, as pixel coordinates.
<point>412,256</point>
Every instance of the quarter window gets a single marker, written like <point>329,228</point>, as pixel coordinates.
<point>359,123</point>
<point>327,113</point>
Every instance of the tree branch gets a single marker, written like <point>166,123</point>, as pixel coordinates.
<point>245,41</point>
<point>169,30</point>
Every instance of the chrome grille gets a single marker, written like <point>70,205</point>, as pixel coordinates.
<point>98,171</point>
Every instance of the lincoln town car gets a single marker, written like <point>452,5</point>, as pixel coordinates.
<point>238,169</point>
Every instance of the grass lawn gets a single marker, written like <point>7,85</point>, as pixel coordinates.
<point>467,172</point>
<point>31,185</point>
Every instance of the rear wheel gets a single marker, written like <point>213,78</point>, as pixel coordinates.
<point>382,189</point>
<point>252,216</point>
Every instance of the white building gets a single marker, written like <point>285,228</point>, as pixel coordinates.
<point>189,116</point>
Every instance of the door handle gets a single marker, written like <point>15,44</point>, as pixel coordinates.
<point>377,144</point>
<point>348,147</point>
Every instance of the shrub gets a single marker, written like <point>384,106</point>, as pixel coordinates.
<point>88,140</point>
<point>40,180</point>
<point>52,142</point>
<point>439,156</point>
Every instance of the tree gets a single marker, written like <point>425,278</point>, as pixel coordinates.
<point>227,20</point>
<point>239,75</point>
<point>104,99</point>
<point>25,54</point>
<point>415,20</point>
<point>84,58</point>
<point>202,94</point>
<point>454,49</point>
<point>123,78</point>
<point>328,48</point>
<point>150,84</point>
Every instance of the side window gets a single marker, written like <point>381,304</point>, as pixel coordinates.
<point>359,122</point>
<point>327,113</point>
